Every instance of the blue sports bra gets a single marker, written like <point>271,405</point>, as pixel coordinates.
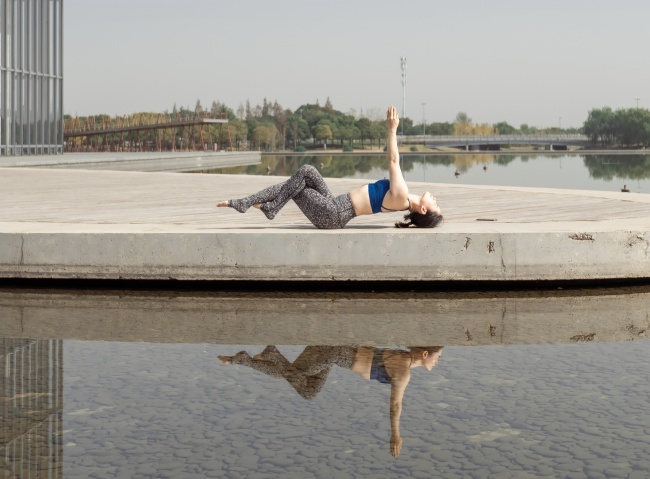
<point>377,191</point>
<point>377,368</point>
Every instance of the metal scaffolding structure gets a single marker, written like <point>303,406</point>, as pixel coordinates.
<point>31,77</point>
<point>168,132</point>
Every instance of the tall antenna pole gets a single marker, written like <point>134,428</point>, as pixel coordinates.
<point>403,62</point>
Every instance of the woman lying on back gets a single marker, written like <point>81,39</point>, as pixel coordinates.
<point>308,190</point>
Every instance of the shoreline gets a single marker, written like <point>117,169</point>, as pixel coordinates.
<point>339,152</point>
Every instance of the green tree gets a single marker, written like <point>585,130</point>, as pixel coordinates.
<point>261,137</point>
<point>462,124</point>
<point>364,125</point>
<point>600,126</point>
<point>504,128</point>
<point>323,132</point>
<point>631,126</point>
<point>297,129</point>
<point>328,106</point>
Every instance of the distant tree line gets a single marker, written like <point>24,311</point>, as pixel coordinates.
<point>271,127</point>
<point>625,127</point>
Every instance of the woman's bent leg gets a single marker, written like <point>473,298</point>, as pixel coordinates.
<point>306,177</point>
<point>320,210</point>
<point>267,194</point>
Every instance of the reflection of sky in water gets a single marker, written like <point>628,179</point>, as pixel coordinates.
<point>567,172</point>
<point>151,410</point>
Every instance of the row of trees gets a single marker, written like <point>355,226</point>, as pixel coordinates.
<point>271,127</point>
<point>626,126</point>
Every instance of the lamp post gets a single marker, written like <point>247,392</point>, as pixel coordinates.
<point>424,123</point>
<point>637,102</point>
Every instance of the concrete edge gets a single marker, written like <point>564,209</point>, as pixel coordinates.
<point>328,256</point>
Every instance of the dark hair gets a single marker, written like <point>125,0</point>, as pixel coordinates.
<point>419,220</point>
<point>429,349</point>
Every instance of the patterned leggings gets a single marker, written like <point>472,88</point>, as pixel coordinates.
<point>308,373</point>
<point>308,190</point>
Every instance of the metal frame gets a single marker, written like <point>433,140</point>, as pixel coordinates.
<point>31,77</point>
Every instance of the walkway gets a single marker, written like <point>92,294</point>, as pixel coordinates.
<point>137,161</point>
<point>109,224</point>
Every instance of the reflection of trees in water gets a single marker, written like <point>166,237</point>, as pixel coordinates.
<point>606,167</point>
<point>342,166</point>
<point>465,162</point>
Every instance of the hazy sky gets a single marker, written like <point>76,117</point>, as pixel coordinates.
<point>519,61</point>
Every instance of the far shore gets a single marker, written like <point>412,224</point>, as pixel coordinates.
<point>452,151</point>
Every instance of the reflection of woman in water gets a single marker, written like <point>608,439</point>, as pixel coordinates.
<point>308,373</point>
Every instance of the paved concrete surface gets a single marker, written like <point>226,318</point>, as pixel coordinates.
<point>137,161</point>
<point>106,224</point>
<point>359,318</point>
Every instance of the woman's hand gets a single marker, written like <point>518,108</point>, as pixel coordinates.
<point>396,445</point>
<point>392,119</point>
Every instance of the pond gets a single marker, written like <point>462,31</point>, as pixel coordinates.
<point>115,385</point>
<point>572,171</point>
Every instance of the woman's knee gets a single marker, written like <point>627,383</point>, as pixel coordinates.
<point>308,169</point>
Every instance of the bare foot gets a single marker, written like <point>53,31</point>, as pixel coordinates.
<point>258,206</point>
<point>270,353</point>
<point>223,204</point>
<point>225,359</point>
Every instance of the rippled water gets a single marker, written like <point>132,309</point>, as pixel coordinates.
<point>86,408</point>
<point>572,171</point>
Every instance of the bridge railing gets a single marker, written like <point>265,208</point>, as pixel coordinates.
<point>504,138</point>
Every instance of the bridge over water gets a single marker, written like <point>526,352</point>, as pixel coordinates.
<point>496,142</point>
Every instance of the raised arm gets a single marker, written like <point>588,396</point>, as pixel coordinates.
<point>392,122</point>
<point>398,189</point>
<point>397,364</point>
<point>397,388</point>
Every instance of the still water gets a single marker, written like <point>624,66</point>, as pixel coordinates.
<point>543,403</point>
<point>572,171</point>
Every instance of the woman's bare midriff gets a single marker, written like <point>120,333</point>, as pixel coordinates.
<point>361,201</point>
<point>363,361</point>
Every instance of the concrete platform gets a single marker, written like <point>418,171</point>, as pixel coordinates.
<point>137,161</point>
<point>107,225</point>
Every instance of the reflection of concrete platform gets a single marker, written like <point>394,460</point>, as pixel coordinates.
<point>333,319</point>
<point>108,224</point>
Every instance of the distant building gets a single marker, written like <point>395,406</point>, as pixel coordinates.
<point>31,77</point>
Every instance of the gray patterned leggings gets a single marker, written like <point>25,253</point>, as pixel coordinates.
<point>308,373</point>
<point>308,190</point>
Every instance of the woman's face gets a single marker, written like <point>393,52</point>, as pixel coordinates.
<point>431,360</point>
<point>429,202</point>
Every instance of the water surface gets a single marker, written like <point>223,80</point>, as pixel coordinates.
<point>572,171</point>
<point>575,405</point>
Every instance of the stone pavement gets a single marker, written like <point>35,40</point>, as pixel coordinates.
<point>65,223</point>
<point>179,161</point>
